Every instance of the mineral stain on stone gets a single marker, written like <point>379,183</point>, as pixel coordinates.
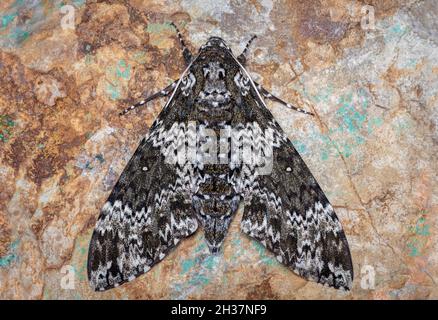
<point>7,18</point>
<point>265,257</point>
<point>10,256</point>
<point>117,76</point>
<point>421,232</point>
<point>353,128</point>
<point>19,31</point>
<point>123,70</point>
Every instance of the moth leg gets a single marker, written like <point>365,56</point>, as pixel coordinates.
<point>186,52</point>
<point>242,56</point>
<point>162,93</point>
<point>266,94</point>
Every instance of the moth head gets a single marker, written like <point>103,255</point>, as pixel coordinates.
<point>214,44</point>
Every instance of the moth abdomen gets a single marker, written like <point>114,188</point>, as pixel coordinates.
<point>215,214</point>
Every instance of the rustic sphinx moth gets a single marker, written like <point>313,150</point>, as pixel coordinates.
<point>177,179</point>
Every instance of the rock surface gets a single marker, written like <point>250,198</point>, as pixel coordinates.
<point>373,145</point>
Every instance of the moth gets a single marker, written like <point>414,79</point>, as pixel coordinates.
<point>171,187</point>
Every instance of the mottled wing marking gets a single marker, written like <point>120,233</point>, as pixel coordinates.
<point>148,212</point>
<point>287,211</point>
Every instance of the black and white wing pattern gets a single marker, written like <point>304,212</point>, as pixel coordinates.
<point>287,211</point>
<point>171,184</point>
<point>149,210</point>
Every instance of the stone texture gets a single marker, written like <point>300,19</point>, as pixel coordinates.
<point>372,145</point>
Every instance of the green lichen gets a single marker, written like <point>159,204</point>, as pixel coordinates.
<point>6,125</point>
<point>420,233</point>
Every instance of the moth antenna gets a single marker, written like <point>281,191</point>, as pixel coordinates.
<point>186,52</point>
<point>267,95</point>
<point>162,93</point>
<point>242,56</point>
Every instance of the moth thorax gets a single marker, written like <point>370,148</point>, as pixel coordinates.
<point>214,92</point>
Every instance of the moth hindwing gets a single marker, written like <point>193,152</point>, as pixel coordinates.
<point>215,144</point>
